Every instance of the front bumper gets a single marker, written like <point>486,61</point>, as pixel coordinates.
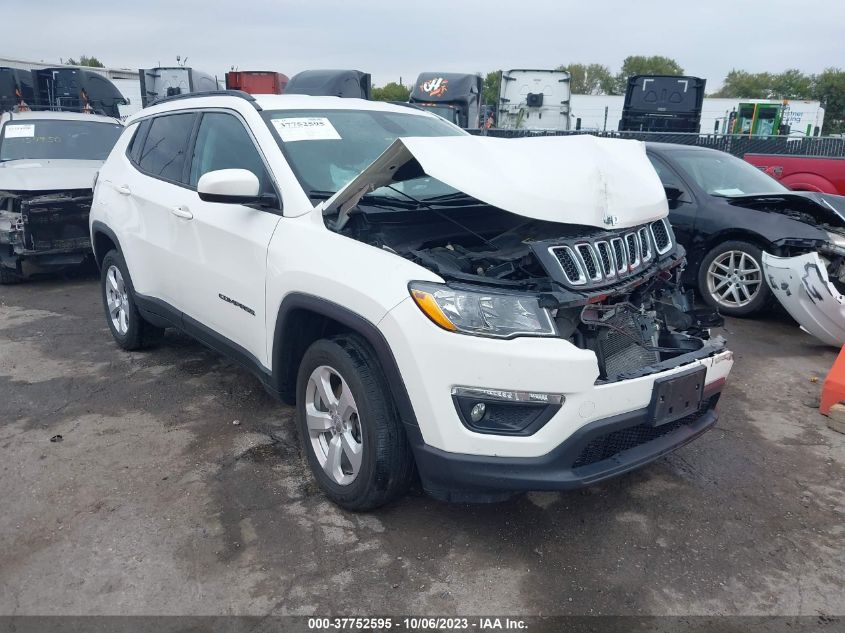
<point>432,362</point>
<point>595,452</point>
<point>802,286</point>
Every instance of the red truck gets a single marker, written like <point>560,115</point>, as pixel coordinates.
<point>257,82</point>
<point>803,173</point>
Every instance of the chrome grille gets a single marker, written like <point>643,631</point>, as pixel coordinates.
<point>610,258</point>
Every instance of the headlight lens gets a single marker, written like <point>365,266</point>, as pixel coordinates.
<point>837,241</point>
<point>482,313</point>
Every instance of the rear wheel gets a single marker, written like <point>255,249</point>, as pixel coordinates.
<point>127,326</point>
<point>731,279</point>
<point>350,430</point>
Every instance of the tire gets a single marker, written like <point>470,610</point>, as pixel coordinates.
<point>127,326</point>
<point>9,276</point>
<point>332,433</point>
<point>730,279</point>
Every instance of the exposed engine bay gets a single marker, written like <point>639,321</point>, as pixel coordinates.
<point>616,292</point>
<point>43,223</point>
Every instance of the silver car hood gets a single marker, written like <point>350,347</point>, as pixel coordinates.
<point>47,175</point>
<point>584,180</point>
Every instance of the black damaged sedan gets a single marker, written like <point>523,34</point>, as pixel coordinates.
<point>726,212</point>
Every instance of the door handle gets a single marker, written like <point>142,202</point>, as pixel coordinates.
<point>182,212</point>
<point>124,189</point>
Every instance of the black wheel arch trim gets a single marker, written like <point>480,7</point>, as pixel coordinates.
<point>100,227</point>
<point>355,322</point>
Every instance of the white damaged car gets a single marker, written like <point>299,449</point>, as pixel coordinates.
<point>494,315</point>
<point>48,162</point>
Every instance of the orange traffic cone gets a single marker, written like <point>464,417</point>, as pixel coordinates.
<point>833,390</point>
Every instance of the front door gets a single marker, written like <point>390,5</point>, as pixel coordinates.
<point>223,247</point>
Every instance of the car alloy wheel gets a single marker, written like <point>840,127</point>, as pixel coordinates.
<point>117,300</point>
<point>334,428</point>
<point>734,279</point>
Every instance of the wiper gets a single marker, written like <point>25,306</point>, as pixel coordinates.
<point>458,195</point>
<point>321,194</point>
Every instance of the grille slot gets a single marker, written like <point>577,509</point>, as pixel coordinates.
<point>606,259</point>
<point>566,256</point>
<point>619,256</point>
<point>645,244</point>
<point>590,260</point>
<point>611,444</point>
<point>633,250</point>
<point>662,241</point>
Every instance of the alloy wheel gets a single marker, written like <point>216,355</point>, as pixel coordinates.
<point>334,428</point>
<point>734,279</point>
<point>117,300</point>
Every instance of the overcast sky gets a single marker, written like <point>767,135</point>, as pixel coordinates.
<point>393,39</point>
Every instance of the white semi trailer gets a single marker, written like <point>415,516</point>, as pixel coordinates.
<point>534,100</point>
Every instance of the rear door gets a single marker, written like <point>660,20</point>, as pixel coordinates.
<point>156,190</point>
<point>222,249</point>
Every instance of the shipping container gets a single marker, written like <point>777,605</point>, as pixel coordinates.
<point>257,82</point>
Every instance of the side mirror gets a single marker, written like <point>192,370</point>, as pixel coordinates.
<point>232,186</point>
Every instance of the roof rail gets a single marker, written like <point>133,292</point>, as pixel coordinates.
<point>211,93</point>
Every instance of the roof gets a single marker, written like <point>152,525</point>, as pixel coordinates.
<point>60,116</point>
<point>671,147</point>
<point>275,102</point>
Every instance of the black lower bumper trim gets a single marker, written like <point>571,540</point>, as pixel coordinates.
<point>573,464</point>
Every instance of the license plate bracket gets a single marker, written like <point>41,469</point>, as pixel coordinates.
<point>675,397</point>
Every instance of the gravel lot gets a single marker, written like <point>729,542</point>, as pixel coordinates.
<point>156,502</point>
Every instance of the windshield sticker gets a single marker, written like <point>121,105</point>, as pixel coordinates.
<point>306,129</point>
<point>19,131</point>
<point>729,192</point>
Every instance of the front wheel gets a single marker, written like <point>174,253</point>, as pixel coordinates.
<point>731,279</point>
<point>127,326</point>
<point>350,430</point>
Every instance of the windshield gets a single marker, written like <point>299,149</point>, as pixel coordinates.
<point>721,174</point>
<point>448,113</point>
<point>57,139</point>
<point>327,148</point>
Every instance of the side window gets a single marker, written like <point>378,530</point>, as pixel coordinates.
<point>137,142</point>
<point>223,143</point>
<point>166,145</point>
<point>666,175</point>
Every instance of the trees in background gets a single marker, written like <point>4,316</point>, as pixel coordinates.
<point>590,79</point>
<point>391,92</point>
<point>84,60</point>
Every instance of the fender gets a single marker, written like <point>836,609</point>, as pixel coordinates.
<point>808,182</point>
<point>284,383</point>
<point>99,227</point>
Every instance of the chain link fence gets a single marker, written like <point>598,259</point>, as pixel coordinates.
<point>738,145</point>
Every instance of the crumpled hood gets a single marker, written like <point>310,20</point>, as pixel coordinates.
<point>606,183</point>
<point>826,208</point>
<point>47,175</point>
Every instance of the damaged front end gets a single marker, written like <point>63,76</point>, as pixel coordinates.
<point>43,230</point>
<point>576,227</point>
<point>615,292</point>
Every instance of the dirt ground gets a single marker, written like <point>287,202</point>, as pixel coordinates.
<point>155,501</point>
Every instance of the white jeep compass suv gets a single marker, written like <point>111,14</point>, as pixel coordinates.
<point>498,315</point>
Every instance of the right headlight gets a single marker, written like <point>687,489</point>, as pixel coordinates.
<point>837,241</point>
<point>482,313</point>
